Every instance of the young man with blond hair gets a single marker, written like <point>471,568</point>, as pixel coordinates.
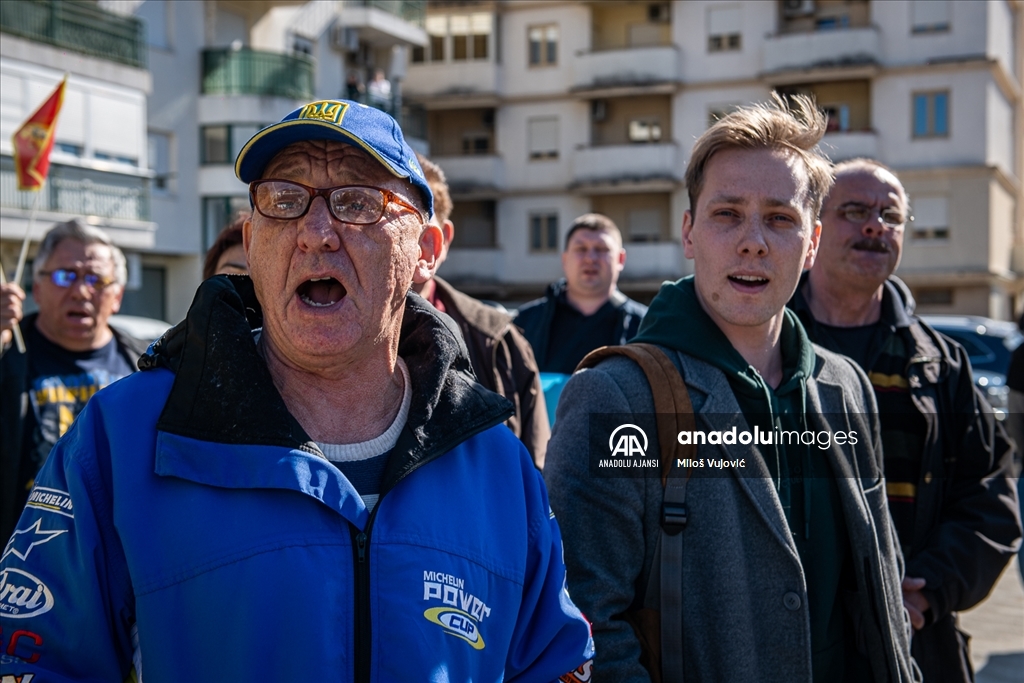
<point>790,569</point>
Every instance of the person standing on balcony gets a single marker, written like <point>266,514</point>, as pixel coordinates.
<point>378,91</point>
<point>78,280</point>
<point>502,358</point>
<point>585,309</point>
<point>947,461</point>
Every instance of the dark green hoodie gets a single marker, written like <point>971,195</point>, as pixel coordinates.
<point>801,474</point>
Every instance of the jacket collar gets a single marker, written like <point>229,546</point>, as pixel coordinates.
<point>486,319</point>
<point>223,391</point>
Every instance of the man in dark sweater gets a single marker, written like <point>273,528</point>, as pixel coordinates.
<point>946,459</point>
<point>585,310</point>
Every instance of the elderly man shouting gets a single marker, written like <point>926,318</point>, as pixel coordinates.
<point>308,483</point>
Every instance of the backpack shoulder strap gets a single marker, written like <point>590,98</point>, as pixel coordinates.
<point>672,405</point>
<point>674,412</point>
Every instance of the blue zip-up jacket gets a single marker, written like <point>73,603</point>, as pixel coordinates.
<point>188,523</point>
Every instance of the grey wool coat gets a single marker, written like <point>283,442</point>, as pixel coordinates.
<point>745,612</point>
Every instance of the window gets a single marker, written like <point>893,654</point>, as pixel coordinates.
<point>641,130</point>
<point>217,213</point>
<point>931,218</point>
<point>69,148</point>
<point>644,225</point>
<point>838,117</point>
<point>724,28</point>
<point>116,158</point>
<point>302,46</point>
<point>467,36</point>
<point>148,298</point>
<point>543,45</point>
<point>475,224</point>
<point>160,161</point>
<point>437,31</point>
<point>929,16</point>
<point>543,135</point>
<point>715,113</point>
<point>544,232</point>
<point>476,143</point>
<point>221,144</point>
<point>931,114</point>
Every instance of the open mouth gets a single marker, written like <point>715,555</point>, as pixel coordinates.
<point>872,245</point>
<point>748,281</point>
<point>321,292</point>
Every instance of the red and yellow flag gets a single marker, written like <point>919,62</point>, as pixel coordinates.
<point>34,141</point>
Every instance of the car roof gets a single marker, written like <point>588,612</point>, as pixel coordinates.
<point>971,323</point>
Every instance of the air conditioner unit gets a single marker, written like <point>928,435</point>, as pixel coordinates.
<point>661,13</point>
<point>345,38</point>
<point>599,110</point>
<point>797,8</point>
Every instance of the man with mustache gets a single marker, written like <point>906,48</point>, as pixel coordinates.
<point>946,459</point>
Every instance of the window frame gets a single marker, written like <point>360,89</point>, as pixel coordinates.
<point>545,52</point>
<point>549,229</point>
<point>930,114</point>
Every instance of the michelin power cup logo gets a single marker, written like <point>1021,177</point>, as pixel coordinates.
<point>23,595</point>
<point>461,613</point>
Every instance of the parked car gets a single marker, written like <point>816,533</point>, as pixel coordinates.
<point>989,344</point>
<point>145,329</point>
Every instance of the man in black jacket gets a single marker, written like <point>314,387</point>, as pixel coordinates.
<point>585,310</point>
<point>71,352</point>
<point>946,459</point>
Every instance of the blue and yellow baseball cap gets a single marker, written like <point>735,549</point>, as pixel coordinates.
<point>341,120</point>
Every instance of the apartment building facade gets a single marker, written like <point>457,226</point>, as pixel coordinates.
<point>541,111</point>
<point>161,95</point>
<point>99,166</point>
<point>223,69</point>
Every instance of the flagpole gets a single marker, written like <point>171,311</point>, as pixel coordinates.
<point>15,329</point>
<point>19,271</point>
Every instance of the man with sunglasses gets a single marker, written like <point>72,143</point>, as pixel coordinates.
<point>306,482</point>
<point>946,459</point>
<point>78,280</point>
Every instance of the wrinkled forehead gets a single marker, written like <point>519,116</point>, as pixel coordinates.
<point>869,180</point>
<point>311,161</point>
<point>71,252</point>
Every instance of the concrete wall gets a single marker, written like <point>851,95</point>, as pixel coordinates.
<point>573,23</point>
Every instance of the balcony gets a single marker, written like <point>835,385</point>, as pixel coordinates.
<point>255,72</point>
<point>637,66</point>
<point>79,192</point>
<point>468,174</point>
<point>825,49</point>
<point>653,261</point>
<point>463,80</point>
<point>842,146</point>
<point>625,164</point>
<point>385,23</point>
<point>78,27</point>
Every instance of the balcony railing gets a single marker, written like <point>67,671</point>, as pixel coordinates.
<point>79,192</point>
<point>413,11</point>
<point>76,26</point>
<point>253,72</point>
